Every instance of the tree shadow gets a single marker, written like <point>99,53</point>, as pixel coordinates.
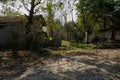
<point>99,63</point>
<point>101,70</point>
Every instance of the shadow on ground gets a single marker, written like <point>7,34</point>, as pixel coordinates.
<point>102,65</point>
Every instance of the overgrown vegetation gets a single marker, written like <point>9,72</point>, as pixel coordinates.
<point>109,44</point>
<point>82,46</point>
<point>39,31</point>
<point>95,23</point>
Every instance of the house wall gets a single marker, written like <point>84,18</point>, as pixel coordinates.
<point>5,34</point>
<point>9,35</point>
<point>118,35</point>
<point>107,35</point>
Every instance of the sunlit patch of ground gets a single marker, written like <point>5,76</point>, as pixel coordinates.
<point>76,65</point>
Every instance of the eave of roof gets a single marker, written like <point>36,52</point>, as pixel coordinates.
<point>10,19</point>
<point>7,20</point>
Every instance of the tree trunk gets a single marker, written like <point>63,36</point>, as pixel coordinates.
<point>27,26</point>
<point>85,28</point>
<point>113,32</point>
<point>86,37</point>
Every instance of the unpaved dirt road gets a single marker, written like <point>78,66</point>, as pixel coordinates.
<point>93,65</point>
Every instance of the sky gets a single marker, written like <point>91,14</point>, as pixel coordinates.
<point>23,11</point>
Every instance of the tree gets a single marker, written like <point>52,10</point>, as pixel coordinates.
<point>105,12</point>
<point>50,18</point>
<point>115,19</point>
<point>84,17</point>
<point>51,8</point>
<point>32,7</point>
<point>98,14</point>
<point>72,31</point>
<point>6,9</point>
<point>58,28</point>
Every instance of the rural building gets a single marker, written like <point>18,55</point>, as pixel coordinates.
<point>106,33</point>
<point>12,28</point>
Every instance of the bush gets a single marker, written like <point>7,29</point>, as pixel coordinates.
<point>109,44</point>
<point>96,39</point>
<point>82,46</point>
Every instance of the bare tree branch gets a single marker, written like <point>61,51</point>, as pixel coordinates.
<point>24,5</point>
<point>37,3</point>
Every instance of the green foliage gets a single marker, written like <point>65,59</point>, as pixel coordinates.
<point>108,46</point>
<point>50,18</point>
<point>97,14</point>
<point>96,39</point>
<point>51,8</point>
<point>37,34</point>
<point>69,29</point>
<point>82,46</point>
<point>73,31</point>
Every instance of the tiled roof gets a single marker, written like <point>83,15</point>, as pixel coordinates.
<point>10,19</point>
<point>17,19</point>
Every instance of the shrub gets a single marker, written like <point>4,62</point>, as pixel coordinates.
<point>96,39</point>
<point>108,44</point>
<point>82,46</point>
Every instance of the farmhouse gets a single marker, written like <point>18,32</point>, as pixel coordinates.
<point>12,29</point>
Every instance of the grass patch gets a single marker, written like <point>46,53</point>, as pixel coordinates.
<point>65,43</point>
<point>82,46</point>
<point>73,45</point>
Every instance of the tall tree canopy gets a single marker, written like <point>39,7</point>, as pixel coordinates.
<point>97,14</point>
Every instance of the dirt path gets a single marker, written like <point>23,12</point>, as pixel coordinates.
<point>94,65</point>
